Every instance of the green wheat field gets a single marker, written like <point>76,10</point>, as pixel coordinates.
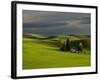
<point>44,52</point>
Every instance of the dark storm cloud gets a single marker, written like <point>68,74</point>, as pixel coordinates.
<point>55,23</point>
<point>85,20</point>
<point>38,25</point>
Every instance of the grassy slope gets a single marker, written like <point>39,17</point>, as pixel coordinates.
<point>41,54</point>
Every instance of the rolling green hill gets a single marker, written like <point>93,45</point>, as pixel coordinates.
<point>44,52</point>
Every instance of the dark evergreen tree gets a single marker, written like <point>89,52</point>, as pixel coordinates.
<point>67,44</point>
<point>80,47</point>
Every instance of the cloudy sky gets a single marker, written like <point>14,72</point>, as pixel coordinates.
<point>49,23</point>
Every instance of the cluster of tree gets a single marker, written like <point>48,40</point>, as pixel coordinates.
<point>67,46</point>
<point>86,43</point>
